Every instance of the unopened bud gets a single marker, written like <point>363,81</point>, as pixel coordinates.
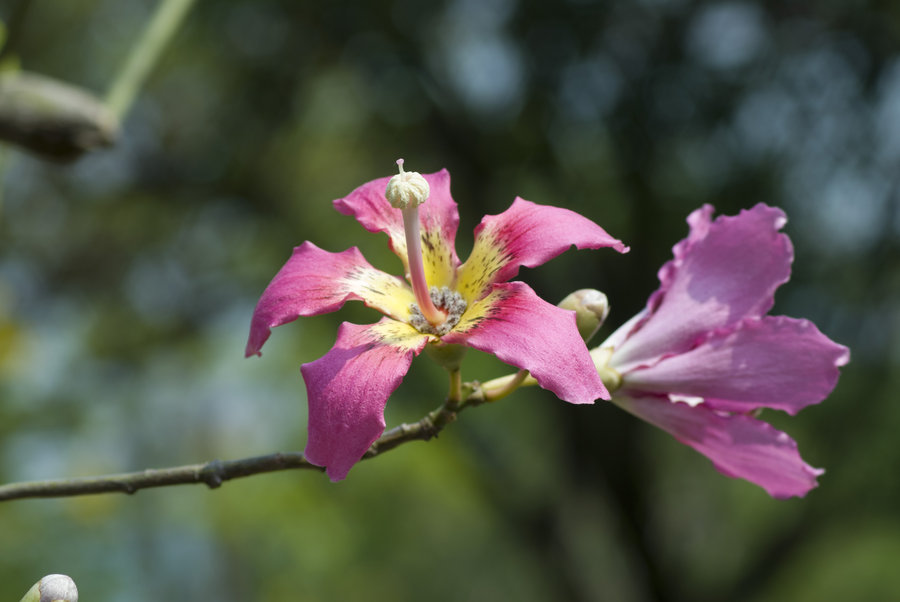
<point>52,118</point>
<point>53,588</point>
<point>407,189</point>
<point>591,308</point>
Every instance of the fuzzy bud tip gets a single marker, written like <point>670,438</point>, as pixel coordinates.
<point>53,588</point>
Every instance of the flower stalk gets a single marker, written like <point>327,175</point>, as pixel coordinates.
<point>499,388</point>
<point>454,397</point>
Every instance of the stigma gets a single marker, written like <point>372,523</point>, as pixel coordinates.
<point>407,189</point>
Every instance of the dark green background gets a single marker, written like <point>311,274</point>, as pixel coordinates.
<point>127,281</point>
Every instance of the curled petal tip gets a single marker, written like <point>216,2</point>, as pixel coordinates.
<point>843,358</point>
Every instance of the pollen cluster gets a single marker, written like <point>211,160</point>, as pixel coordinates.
<point>445,299</point>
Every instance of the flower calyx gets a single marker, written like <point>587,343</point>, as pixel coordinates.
<point>610,377</point>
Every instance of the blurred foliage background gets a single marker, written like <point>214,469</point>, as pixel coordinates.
<point>128,277</point>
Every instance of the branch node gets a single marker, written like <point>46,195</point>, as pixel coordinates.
<point>212,474</point>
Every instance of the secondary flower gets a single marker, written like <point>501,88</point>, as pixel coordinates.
<point>470,304</point>
<point>703,358</point>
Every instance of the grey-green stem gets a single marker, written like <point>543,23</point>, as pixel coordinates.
<point>144,54</point>
<point>216,472</point>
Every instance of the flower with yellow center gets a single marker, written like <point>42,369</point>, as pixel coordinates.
<point>441,302</point>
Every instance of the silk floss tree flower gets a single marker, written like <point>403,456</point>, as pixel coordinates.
<point>445,305</point>
<point>703,358</point>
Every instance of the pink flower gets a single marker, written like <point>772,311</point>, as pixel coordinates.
<point>470,304</point>
<point>702,358</point>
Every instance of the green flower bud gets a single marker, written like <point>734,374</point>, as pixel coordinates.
<point>591,308</point>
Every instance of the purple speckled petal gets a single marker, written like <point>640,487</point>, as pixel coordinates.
<point>314,282</point>
<point>774,362</point>
<point>523,330</point>
<point>725,271</point>
<point>348,387</point>
<point>438,216</point>
<point>526,234</point>
<point>738,445</point>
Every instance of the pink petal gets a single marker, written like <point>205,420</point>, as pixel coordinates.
<point>523,330</point>
<point>527,235</point>
<point>438,216</point>
<point>773,362</point>
<point>314,282</point>
<point>348,387</point>
<point>725,271</point>
<point>739,446</point>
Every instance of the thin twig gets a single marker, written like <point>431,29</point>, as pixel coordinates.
<point>144,54</point>
<point>216,472</point>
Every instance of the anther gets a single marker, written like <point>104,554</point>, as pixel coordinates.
<point>449,301</point>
